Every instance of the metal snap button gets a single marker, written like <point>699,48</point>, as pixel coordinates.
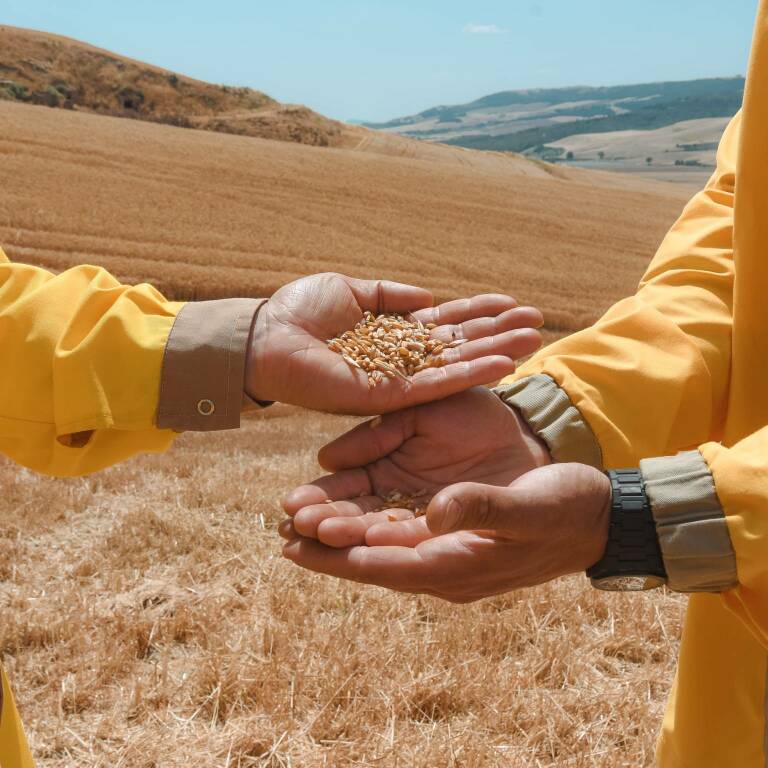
<point>206,407</point>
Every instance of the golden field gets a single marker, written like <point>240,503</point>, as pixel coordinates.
<point>204,215</point>
<point>146,616</point>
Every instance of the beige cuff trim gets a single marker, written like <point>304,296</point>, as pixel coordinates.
<point>554,418</point>
<point>695,542</point>
<point>203,376</point>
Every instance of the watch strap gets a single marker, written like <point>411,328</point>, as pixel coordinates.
<point>633,543</point>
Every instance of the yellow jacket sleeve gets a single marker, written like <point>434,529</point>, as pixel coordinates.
<point>710,511</point>
<point>740,476</point>
<point>14,750</point>
<point>80,367</point>
<point>650,377</point>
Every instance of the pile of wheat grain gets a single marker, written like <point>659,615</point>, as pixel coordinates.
<point>389,345</point>
<point>414,502</point>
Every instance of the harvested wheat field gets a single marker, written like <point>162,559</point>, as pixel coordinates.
<point>205,215</point>
<point>146,616</point>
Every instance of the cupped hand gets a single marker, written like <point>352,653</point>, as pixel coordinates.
<point>480,540</point>
<point>469,437</point>
<point>289,359</point>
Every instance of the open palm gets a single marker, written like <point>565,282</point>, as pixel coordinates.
<point>477,540</point>
<point>470,437</point>
<point>289,359</point>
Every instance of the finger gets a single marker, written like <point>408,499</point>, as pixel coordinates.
<point>473,507</point>
<point>307,520</point>
<point>368,441</point>
<point>461,310</point>
<point>514,344</point>
<point>520,317</point>
<point>340,485</point>
<point>400,568</point>
<point>286,530</point>
<point>385,296</point>
<point>351,531</point>
<point>438,383</point>
<point>405,533</point>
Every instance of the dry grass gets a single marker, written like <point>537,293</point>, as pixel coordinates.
<point>148,620</point>
<point>146,617</point>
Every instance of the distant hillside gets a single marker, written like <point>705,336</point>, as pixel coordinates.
<point>49,70</point>
<point>528,121</point>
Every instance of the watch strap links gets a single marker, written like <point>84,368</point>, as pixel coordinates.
<point>632,550</point>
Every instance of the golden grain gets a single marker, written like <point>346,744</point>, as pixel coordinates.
<point>414,502</point>
<point>390,345</point>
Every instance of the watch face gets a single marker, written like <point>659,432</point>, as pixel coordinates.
<point>628,583</point>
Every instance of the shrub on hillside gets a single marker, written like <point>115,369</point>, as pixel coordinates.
<point>130,98</point>
<point>11,90</point>
<point>49,97</point>
<point>62,89</point>
<point>179,121</point>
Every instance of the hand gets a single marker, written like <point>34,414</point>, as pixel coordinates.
<point>470,437</point>
<point>289,359</point>
<point>480,540</point>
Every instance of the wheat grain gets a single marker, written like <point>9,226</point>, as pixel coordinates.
<point>390,346</point>
<point>416,502</point>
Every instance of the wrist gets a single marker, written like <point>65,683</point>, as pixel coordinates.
<point>536,447</point>
<point>598,521</point>
<point>257,384</point>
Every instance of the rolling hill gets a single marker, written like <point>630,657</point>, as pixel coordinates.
<point>517,121</point>
<point>54,71</point>
<point>676,124</point>
<point>43,69</point>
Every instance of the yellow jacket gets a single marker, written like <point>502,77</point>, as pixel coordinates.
<point>93,372</point>
<point>682,366</point>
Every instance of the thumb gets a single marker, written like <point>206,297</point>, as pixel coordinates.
<point>472,507</point>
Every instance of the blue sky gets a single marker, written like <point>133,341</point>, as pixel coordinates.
<point>386,58</point>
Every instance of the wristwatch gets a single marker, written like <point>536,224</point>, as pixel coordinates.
<point>632,559</point>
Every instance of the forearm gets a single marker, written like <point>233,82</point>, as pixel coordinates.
<point>651,377</point>
<point>94,371</point>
